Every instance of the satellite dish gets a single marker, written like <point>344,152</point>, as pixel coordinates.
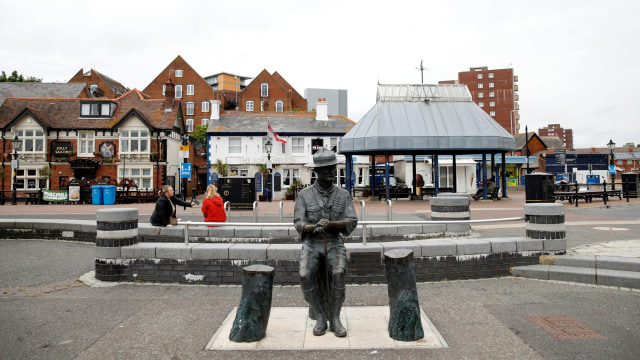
<point>197,145</point>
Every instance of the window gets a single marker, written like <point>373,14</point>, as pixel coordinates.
<point>235,145</point>
<point>249,105</point>
<point>492,104</point>
<point>32,141</point>
<point>490,75</point>
<point>178,91</point>
<point>279,105</point>
<point>297,145</point>
<point>134,141</point>
<point>480,86</point>
<point>264,90</point>
<point>492,113</point>
<point>86,143</point>
<point>333,144</point>
<point>289,176</point>
<point>190,106</point>
<point>189,125</point>
<point>490,85</point>
<point>492,94</point>
<point>620,162</point>
<point>164,89</point>
<point>264,148</point>
<point>29,179</point>
<point>190,89</point>
<point>446,176</point>
<point>142,176</point>
<point>204,122</point>
<point>479,76</point>
<point>95,109</point>
<point>480,95</point>
<point>205,106</point>
<point>262,105</point>
<point>481,104</point>
<point>361,176</point>
<point>178,73</point>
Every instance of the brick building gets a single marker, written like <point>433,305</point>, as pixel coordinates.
<point>495,91</point>
<point>566,135</point>
<point>228,85</point>
<point>271,92</point>
<point>99,84</point>
<point>129,137</point>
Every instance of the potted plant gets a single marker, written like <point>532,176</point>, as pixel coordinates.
<point>367,191</point>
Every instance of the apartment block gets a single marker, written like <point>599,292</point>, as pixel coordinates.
<point>566,135</point>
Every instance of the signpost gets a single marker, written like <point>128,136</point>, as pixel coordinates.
<point>185,170</point>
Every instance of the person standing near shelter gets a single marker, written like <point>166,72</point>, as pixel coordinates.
<point>213,206</point>
<point>323,216</point>
<point>165,209</point>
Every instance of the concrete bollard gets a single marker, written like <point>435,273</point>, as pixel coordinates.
<point>544,221</point>
<point>115,228</point>
<point>451,208</point>
<point>252,316</point>
<point>405,323</point>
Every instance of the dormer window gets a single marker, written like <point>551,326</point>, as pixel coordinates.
<point>96,109</point>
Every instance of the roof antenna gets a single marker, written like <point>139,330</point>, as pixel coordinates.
<point>422,69</point>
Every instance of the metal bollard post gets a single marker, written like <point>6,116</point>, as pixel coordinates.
<point>186,234</point>
<point>362,210</point>
<point>255,211</point>
<point>227,209</point>
<point>281,211</point>
<point>389,210</point>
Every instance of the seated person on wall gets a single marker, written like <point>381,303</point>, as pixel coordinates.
<point>490,187</point>
<point>165,212</point>
<point>213,206</point>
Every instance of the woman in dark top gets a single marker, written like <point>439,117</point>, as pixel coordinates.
<point>166,207</point>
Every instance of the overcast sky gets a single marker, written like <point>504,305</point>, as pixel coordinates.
<point>577,61</point>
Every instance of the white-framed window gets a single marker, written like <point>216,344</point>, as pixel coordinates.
<point>492,94</point>
<point>279,106</point>
<point>361,176</point>
<point>492,104</point>
<point>134,141</point>
<point>205,106</point>
<point>234,171</point>
<point>204,122</point>
<point>264,148</point>
<point>141,175</point>
<point>481,104</point>
<point>191,89</point>
<point>190,107</point>
<point>164,89</point>
<point>479,76</point>
<point>333,144</point>
<point>480,95</point>
<point>28,178</point>
<point>85,139</point>
<point>262,105</point>
<point>178,90</point>
<point>620,162</point>
<point>480,86</point>
<point>189,125</point>
<point>264,90</point>
<point>32,140</point>
<point>491,85</point>
<point>492,113</point>
<point>289,176</point>
<point>95,109</point>
<point>235,145</point>
<point>179,73</point>
<point>249,105</point>
<point>297,145</point>
<point>490,75</point>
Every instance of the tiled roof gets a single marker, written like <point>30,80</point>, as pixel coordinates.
<point>115,86</point>
<point>41,90</point>
<point>65,113</point>
<point>284,124</point>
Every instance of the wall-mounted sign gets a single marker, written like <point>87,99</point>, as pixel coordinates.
<point>62,149</point>
<point>108,150</point>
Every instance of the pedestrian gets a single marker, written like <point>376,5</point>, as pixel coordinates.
<point>164,213</point>
<point>213,206</point>
<point>323,216</point>
<point>490,187</point>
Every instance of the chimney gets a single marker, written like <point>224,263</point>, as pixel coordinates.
<point>215,109</point>
<point>322,110</point>
<point>169,95</point>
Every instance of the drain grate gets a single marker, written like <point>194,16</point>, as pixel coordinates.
<point>563,327</point>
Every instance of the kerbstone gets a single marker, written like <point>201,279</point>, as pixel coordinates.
<point>472,246</point>
<point>434,228</point>
<point>432,248</point>
<point>502,245</point>
<point>554,245</point>
<point>275,232</point>
<point>458,228</point>
<point>532,271</point>
<point>359,248</point>
<point>248,232</point>
<point>618,263</point>
<point>382,229</point>
<point>586,261</point>
<point>290,252</point>
<point>526,244</point>
<point>107,252</point>
<point>210,251</point>
<point>628,279</point>
<point>409,229</point>
<point>139,251</point>
<point>7,224</point>
<point>198,231</point>
<point>248,252</point>
<point>224,232</point>
<point>575,274</point>
<point>174,251</point>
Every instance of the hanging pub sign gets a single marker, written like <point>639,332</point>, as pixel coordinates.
<point>62,149</point>
<point>108,150</point>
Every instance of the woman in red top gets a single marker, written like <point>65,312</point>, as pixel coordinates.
<point>213,206</point>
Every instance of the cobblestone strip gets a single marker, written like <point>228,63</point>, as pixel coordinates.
<point>41,290</point>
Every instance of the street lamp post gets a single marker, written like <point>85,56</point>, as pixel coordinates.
<point>15,143</point>
<point>612,146</point>
<point>268,145</point>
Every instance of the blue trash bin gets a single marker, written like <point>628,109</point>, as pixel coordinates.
<point>109,194</point>
<point>96,194</point>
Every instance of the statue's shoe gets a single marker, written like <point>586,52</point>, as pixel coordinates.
<point>337,328</point>
<point>321,326</point>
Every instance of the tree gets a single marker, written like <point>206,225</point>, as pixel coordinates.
<point>221,168</point>
<point>200,134</point>
<point>15,77</point>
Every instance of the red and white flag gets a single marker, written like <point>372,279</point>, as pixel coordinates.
<point>276,135</point>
